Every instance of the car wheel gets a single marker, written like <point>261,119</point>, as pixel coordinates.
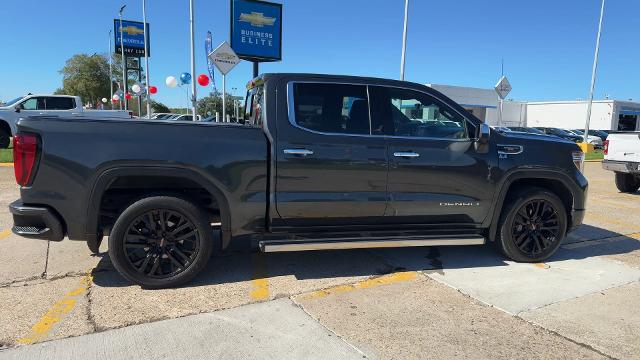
<point>5,139</point>
<point>627,183</point>
<point>532,225</point>
<point>161,242</point>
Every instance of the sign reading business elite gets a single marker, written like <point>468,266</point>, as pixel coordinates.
<point>224,58</point>
<point>256,30</point>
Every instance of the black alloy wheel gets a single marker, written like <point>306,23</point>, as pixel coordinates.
<point>536,227</point>
<point>532,225</point>
<point>161,243</point>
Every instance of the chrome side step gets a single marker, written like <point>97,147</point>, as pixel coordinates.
<point>359,243</point>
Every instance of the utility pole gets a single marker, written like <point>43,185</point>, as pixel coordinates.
<point>146,57</point>
<point>194,99</point>
<point>110,71</point>
<point>593,79</point>
<point>124,63</point>
<point>404,39</point>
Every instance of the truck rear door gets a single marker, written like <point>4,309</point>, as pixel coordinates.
<point>329,170</point>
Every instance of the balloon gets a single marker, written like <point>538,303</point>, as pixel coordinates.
<point>203,80</point>
<point>104,100</point>
<point>136,88</point>
<point>153,89</point>
<point>185,78</point>
<point>171,81</point>
<point>127,96</point>
<point>116,97</point>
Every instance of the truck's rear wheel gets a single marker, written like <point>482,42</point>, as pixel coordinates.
<point>627,183</point>
<point>5,138</point>
<point>532,225</point>
<point>160,242</point>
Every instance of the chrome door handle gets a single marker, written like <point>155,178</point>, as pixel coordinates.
<point>406,154</point>
<point>300,152</point>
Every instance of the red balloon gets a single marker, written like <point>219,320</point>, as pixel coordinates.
<point>203,80</point>
<point>127,96</point>
<point>153,89</point>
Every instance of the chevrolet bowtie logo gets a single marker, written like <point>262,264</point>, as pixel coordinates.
<point>131,30</point>
<point>257,19</point>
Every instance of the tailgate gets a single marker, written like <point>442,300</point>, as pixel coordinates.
<point>624,147</point>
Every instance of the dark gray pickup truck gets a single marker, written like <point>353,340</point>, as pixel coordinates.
<point>321,162</point>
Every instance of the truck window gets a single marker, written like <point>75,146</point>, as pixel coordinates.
<point>404,112</point>
<point>331,108</point>
<point>60,103</point>
<point>35,103</point>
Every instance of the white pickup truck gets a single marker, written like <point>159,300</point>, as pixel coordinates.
<point>622,156</point>
<point>46,105</point>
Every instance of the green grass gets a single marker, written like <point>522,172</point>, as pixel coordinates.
<point>595,155</point>
<point>6,155</point>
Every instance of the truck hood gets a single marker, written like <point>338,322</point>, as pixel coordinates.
<point>534,137</point>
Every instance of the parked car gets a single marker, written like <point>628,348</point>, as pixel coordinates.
<point>598,133</point>
<point>591,139</point>
<point>184,117</point>
<point>162,116</point>
<point>47,105</point>
<point>561,133</point>
<point>622,156</point>
<point>339,163</point>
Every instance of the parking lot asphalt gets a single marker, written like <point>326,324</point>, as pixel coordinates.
<point>59,301</point>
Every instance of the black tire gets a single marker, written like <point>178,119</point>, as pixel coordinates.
<point>167,231</point>
<point>627,183</point>
<point>532,225</point>
<point>5,139</point>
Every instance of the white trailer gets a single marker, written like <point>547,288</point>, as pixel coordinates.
<point>605,115</point>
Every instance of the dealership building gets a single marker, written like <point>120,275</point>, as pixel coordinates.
<point>484,104</point>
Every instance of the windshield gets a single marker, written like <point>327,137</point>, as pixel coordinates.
<point>13,101</point>
<point>561,132</point>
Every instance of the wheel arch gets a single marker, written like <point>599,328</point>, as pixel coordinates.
<point>555,181</point>
<point>106,178</point>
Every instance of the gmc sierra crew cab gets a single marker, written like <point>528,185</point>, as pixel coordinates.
<point>320,162</point>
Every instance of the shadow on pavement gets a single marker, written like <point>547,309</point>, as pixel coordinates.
<point>231,267</point>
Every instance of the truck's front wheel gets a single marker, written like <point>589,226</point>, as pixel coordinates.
<point>627,183</point>
<point>160,242</point>
<point>5,138</point>
<point>532,226</point>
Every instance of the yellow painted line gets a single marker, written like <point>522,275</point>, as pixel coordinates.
<point>61,309</point>
<point>4,234</point>
<point>365,284</point>
<point>260,278</point>
<point>6,164</point>
<point>541,265</point>
<point>634,236</point>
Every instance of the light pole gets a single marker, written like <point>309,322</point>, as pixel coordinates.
<point>593,79</point>
<point>124,63</point>
<point>404,39</point>
<point>193,63</point>
<point>110,72</point>
<point>146,57</point>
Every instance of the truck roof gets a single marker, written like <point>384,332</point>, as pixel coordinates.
<point>341,77</point>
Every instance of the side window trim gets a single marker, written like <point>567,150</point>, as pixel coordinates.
<point>291,112</point>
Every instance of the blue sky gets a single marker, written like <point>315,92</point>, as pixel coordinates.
<point>547,45</point>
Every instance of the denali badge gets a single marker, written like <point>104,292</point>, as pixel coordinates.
<point>470,203</point>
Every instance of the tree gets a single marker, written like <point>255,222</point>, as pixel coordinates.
<point>212,104</point>
<point>86,76</point>
<point>158,107</point>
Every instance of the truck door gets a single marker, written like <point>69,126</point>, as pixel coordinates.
<point>329,170</point>
<point>435,174</point>
<point>33,106</point>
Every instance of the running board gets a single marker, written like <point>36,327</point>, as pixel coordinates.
<point>359,243</point>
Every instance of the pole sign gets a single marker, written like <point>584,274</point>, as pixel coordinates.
<point>224,58</point>
<point>132,37</point>
<point>256,30</point>
<point>503,87</point>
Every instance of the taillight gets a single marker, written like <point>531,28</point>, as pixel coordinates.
<point>606,147</point>
<point>25,151</point>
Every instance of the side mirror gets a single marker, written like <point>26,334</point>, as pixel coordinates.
<point>18,108</point>
<point>483,133</point>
